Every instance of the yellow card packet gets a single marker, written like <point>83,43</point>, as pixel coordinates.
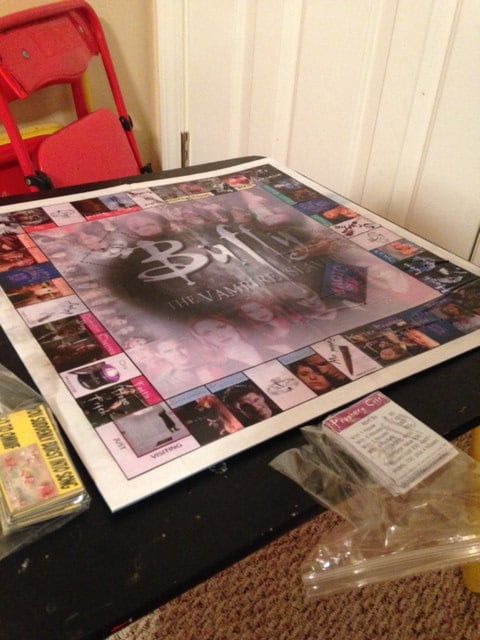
<point>35,469</point>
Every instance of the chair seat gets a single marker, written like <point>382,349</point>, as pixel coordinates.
<point>91,149</point>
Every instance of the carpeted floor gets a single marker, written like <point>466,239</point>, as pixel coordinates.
<point>261,598</point>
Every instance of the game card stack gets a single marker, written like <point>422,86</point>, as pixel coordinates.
<point>395,448</point>
<point>37,478</point>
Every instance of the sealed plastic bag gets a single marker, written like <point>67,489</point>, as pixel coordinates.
<point>410,500</point>
<point>40,488</point>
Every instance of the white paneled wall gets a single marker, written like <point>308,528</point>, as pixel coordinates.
<point>376,99</point>
<point>277,32</point>
<point>335,59</point>
<point>445,201</point>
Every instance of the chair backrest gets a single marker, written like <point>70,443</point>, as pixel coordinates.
<point>38,50</point>
<point>53,44</point>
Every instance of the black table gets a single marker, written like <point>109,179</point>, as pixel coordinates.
<point>101,571</point>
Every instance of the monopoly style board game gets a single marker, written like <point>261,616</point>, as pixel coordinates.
<point>172,324</point>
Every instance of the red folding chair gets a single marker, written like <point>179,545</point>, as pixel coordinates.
<point>50,45</point>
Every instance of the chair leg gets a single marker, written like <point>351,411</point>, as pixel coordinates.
<point>18,144</point>
<point>471,572</point>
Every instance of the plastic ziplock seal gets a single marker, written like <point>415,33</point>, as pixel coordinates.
<point>434,524</point>
<point>40,489</point>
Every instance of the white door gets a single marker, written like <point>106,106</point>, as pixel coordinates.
<point>375,99</point>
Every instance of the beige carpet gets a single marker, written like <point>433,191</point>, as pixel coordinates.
<point>261,598</point>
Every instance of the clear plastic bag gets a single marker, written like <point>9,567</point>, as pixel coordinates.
<point>40,489</point>
<point>435,524</point>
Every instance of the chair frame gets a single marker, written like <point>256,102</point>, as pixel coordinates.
<point>10,90</point>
